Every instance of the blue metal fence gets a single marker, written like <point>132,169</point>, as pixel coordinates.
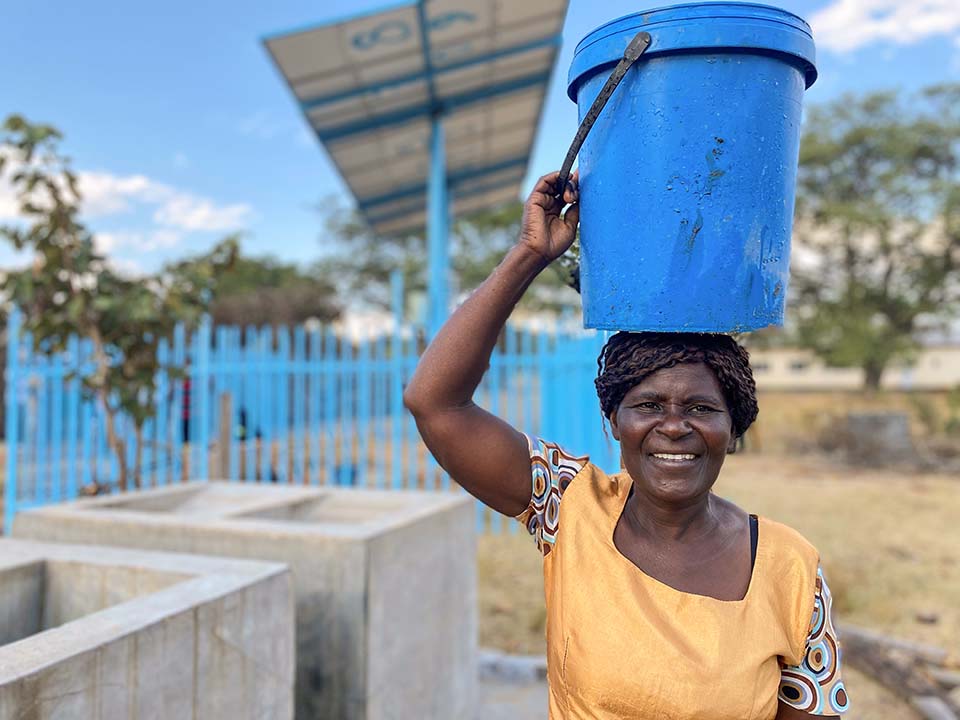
<point>285,405</point>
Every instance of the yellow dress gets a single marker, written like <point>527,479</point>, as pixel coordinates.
<point>621,644</point>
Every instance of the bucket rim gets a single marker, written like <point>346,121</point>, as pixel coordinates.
<point>803,26</point>
<point>736,26</point>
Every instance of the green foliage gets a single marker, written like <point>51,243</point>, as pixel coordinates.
<point>362,261</point>
<point>926,412</point>
<point>878,226</point>
<point>70,289</point>
<point>952,424</point>
<point>266,291</point>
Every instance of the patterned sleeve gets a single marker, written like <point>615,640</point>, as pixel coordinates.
<point>816,685</point>
<point>552,469</point>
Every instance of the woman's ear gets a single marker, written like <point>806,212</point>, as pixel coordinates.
<point>614,427</point>
<point>732,445</point>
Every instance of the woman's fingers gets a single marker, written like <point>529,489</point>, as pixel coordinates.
<point>547,183</point>
<point>571,218</point>
<point>547,187</point>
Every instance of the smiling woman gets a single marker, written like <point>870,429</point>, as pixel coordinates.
<point>663,600</point>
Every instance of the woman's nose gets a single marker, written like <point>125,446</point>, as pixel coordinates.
<point>674,426</point>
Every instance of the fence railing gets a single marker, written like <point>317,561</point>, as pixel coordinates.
<point>283,405</point>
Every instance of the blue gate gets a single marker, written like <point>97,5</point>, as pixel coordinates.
<point>285,405</point>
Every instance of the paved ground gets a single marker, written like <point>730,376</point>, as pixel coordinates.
<point>501,700</point>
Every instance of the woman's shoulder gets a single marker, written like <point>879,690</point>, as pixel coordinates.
<point>554,461</point>
<point>788,555</point>
<point>785,539</point>
<point>553,470</point>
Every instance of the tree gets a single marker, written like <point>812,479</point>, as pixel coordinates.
<point>363,261</point>
<point>266,291</point>
<point>70,289</point>
<point>877,228</point>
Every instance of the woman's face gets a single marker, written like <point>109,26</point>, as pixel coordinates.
<point>675,431</point>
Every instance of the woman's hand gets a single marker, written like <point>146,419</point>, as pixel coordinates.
<point>544,229</point>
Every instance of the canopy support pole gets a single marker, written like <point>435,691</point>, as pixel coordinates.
<point>438,220</point>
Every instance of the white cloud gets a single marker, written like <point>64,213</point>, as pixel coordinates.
<point>193,213</point>
<point>107,194</point>
<point>175,213</point>
<point>107,242</point>
<point>846,25</point>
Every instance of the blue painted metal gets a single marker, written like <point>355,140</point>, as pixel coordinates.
<point>346,399</point>
<point>395,380</point>
<point>56,429</point>
<point>687,178</point>
<point>373,88</point>
<point>250,404</point>
<point>282,385</point>
<point>329,407</point>
<point>363,415</point>
<point>346,396</point>
<point>43,465</point>
<point>11,424</point>
<point>299,400</point>
<point>396,411</point>
<point>72,389</point>
<point>265,406</point>
<point>315,448</point>
<point>446,104</point>
<point>381,399</point>
<point>438,217</point>
<point>177,410</point>
<point>425,48</point>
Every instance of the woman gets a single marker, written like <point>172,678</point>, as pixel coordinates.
<point>664,601</point>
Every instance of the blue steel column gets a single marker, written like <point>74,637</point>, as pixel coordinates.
<point>438,217</point>
<point>12,427</point>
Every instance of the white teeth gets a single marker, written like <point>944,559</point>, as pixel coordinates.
<point>668,456</point>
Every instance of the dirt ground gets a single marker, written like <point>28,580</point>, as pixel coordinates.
<point>889,542</point>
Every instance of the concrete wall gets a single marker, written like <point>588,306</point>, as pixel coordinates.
<point>935,368</point>
<point>93,633</point>
<point>385,581</point>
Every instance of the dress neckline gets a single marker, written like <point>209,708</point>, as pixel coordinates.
<point>624,484</point>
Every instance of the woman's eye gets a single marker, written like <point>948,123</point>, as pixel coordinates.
<point>648,406</point>
<point>702,408</point>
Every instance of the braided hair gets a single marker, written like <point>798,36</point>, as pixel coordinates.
<point>628,358</point>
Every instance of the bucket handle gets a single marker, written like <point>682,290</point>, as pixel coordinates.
<point>636,48</point>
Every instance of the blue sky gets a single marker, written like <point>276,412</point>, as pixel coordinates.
<point>184,130</point>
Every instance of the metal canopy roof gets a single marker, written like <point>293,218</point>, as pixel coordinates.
<point>371,85</point>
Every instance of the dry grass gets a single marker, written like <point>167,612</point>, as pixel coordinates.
<point>890,545</point>
<point>795,420</point>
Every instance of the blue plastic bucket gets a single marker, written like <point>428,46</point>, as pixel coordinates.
<point>687,178</point>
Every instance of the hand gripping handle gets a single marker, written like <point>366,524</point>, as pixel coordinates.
<point>636,48</point>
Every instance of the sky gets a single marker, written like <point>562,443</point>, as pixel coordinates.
<point>183,131</point>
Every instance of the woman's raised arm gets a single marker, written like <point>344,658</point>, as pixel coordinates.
<point>484,454</point>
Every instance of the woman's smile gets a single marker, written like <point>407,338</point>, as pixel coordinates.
<point>674,459</point>
<point>675,431</point>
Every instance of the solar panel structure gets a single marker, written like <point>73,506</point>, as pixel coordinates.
<point>372,87</point>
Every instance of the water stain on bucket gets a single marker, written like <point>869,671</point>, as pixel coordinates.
<point>697,227</point>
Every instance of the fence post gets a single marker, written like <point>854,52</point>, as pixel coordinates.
<point>226,433</point>
<point>13,359</point>
<point>200,399</point>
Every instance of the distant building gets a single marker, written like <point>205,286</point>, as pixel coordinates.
<point>937,367</point>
